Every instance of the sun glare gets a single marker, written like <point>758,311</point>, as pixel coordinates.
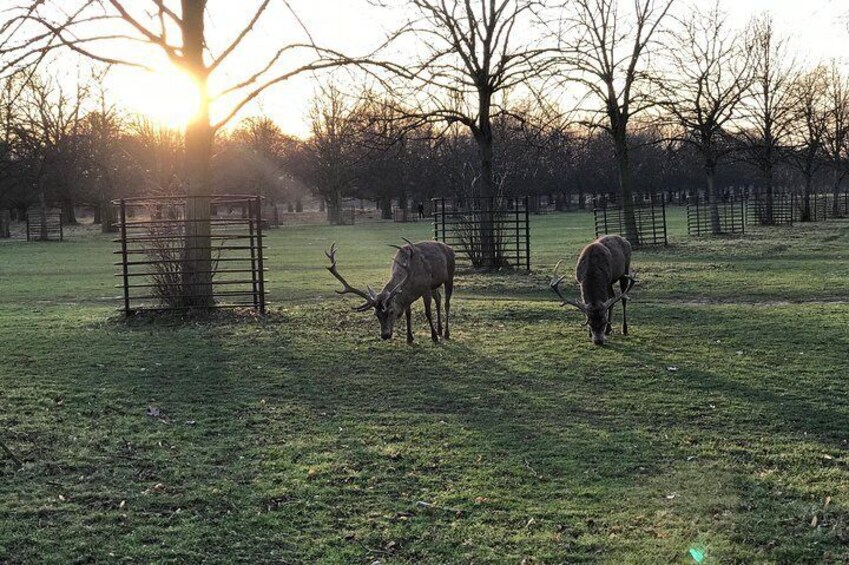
<point>168,96</point>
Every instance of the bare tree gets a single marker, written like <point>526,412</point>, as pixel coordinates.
<point>469,53</point>
<point>98,29</point>
<point>808,133</point>
<point>254,155</point>
<point>334,149</point>
<point>155,152</point>
<point>709,75</point>
<point>104,129</point>
<point>47,138</point>
<point>386,137</point>
<point>606,51</point>
<point>10,185</point>
<point>836,135</point>
<point>767,121</point>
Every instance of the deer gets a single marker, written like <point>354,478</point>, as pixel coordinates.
<point>418,270</point>
<point>600,264</point>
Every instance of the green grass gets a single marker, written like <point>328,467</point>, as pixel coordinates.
<point>303,438</point>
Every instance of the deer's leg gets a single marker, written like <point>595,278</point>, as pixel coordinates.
<point>427,298</point>
<point>449,289</point>
<point>438,299</point>
<point>409,314</point>
<point>609,329</point>
<point>623,285</point>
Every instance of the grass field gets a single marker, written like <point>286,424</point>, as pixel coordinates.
<point>720,425</point>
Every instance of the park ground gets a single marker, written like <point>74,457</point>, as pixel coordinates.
<point>717,431</point>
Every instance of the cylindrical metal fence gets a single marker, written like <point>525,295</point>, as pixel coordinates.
<point>170,262</point>
<point>44,225</point>
<point>730,215</point>
<point>486,231</point>
<point>649,219</point>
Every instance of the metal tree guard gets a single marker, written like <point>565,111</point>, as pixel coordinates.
<point>460,221</point>
<point>650,217</point>
<point>154,245</point>
<point>732,216</point>
<point>44,225</point>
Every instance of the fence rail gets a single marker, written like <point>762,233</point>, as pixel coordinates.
<point>731,216</point>
<point>486,231</point>
<point>44,225</point>
<point>649,217</point>
<point>824,206</point>
<point>841,208</point>
<point>155,251</point>
<point>778,210</point>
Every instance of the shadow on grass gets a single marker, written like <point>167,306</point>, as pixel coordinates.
<point>312,440</point>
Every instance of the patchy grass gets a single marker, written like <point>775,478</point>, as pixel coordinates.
<point>721,424</point>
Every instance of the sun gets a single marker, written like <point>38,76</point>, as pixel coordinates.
<point>167,96</point>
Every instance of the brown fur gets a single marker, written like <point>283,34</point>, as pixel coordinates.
<point>602,263</point>
<point>431,266</point>
<point>418,271</point>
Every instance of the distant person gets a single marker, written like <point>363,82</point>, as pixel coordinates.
<point>421,211</point>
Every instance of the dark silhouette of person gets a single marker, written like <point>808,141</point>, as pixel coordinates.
<point>421,211</point>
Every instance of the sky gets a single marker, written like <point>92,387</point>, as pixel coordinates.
<point>817,30</point>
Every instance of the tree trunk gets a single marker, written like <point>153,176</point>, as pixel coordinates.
<point>5,223</point>
<point>402,201</point>
<point>623,159</point>
<point>489,249</point>
<point>386,208</point>
<point>107,217</point>
<point>69,216</point>
<point>806,199</point>
<point>767,218</point>
<point>197,259</point>
<point>835,206</point>
<point>489,253</point>
<point>560,204</point>
<point>334,207</point>
<point>713,199</point>
<point>43,233</point>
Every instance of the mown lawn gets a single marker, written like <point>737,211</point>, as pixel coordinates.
<point>720,425</point>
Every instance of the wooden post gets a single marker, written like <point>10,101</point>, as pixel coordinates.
<point>5,224</point>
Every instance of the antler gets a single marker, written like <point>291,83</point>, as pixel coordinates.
<point>609,304</point>
<point>370,297</point>
<point>555,286</point>
<point>399,248</point>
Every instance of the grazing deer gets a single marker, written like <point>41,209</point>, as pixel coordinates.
<point>601,263</point>
<point>418,270</point>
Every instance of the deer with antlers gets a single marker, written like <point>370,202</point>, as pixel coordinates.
<point>418,271</point>
<point>601,263</point>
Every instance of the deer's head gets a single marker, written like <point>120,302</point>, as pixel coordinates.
<point>386,308</point>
